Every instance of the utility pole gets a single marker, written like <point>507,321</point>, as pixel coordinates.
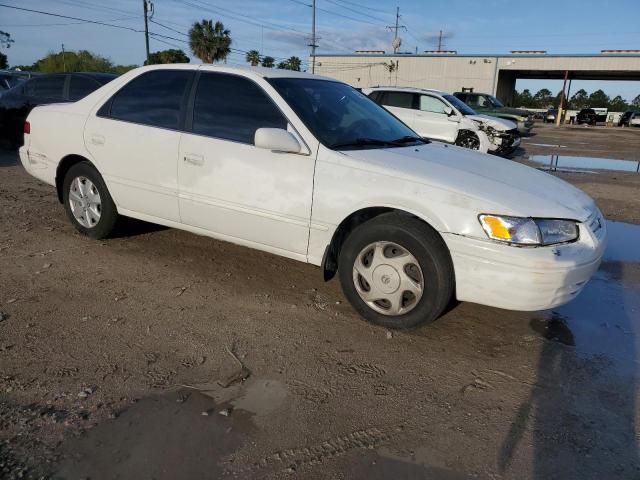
<point>313,37</point>
<point>440,41</point>
<point>146,26</point>
<point>396,41</point>
<point>64,61</point>
<point>562,96</point>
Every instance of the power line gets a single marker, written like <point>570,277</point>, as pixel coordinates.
<point>96,22</point>
<point>363,6</point>
<point>356,11</point>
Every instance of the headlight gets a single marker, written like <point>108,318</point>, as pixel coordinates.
<point>528,231</point>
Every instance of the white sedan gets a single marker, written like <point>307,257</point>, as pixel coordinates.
<point>309,168</point>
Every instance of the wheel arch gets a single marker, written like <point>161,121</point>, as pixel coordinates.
<point>329,263</point>
<point>63,167</point>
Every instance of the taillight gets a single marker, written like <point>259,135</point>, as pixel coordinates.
<point>27,128</point>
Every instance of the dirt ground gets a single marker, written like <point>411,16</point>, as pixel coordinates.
<point>125,358</point>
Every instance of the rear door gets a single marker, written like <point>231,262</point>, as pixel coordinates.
<point>401,104</point>
<point>134,138</point>
<point>432,121</point>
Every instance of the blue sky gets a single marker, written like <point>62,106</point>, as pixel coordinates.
<point>280,28</point>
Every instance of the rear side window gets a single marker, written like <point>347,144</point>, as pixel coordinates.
<point>375,96</point>
<point>80,87</point>
<point>154,98</point>
<point>398,99</point>
<point>46,87</point>
<point>231,107</point>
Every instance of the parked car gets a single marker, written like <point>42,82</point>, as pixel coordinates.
<point>486,104</point>
<point>551,115</point>
<point>441,116</point>
<point>17,102</point>
<point>588,116</point>
<point>625,118</point>
<point>405,223</point>
<point>634,121</point>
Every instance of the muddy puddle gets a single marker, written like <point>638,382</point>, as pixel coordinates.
<point>586,164</point>
<point>176,435</point>
<point>605,318</point>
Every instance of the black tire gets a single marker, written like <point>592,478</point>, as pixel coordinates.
<point>108,213</point>
<point>468,139</point>
<point>425,244</point>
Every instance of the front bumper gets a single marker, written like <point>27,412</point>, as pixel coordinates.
<point>506,142</point>
<point>526,278</point>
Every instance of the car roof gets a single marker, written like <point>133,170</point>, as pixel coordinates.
<point>407,89</point>
<point>262,72</point>
<point>100,76</point>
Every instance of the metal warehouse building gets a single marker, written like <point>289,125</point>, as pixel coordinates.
<point>495,74</point>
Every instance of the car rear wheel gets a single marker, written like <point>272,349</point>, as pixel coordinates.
<point>396,271</point>
<point>87,201</point>
<point>467,139</point>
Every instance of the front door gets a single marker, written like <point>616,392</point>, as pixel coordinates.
<point>432,120</point>
<point>231,188</point>
<point>134,139</point>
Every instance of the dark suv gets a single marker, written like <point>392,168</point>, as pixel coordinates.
<point>16,103</point>
<point>588,116</point>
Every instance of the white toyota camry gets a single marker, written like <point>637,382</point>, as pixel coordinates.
<point>309,168</point>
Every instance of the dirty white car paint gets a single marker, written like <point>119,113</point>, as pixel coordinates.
<point>291,204</point>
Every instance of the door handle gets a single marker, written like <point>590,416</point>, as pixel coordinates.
<point>193,159</point>
<point>97,140</point>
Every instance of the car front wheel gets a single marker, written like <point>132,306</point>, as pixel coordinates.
<point>87,201</point>
<point>467,139</point>
<point>396,271</point>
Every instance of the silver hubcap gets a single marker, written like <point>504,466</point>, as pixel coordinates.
<point>84,200</point>
<point>388,278</point>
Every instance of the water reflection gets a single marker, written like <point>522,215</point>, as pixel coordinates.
<point>567,162</point>
<point>624,242</point>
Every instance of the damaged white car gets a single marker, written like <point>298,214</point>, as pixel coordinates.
<point>440,116</point>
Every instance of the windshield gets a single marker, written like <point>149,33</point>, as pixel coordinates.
<point>462,107</point>
<point>340,117</point>
<point>495,101</point>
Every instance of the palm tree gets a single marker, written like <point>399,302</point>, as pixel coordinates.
<point>293,63</point>
<point>253,57</point>
<point>268,61</point>
<point>209,42</point>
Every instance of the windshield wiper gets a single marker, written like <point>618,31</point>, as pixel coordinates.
<point>364,142</point>
<point>408,139</point>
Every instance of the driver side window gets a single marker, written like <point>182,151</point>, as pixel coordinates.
<point>432,104</point>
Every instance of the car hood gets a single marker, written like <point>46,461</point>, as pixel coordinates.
<point>482,182</point>
<point>495,122</point>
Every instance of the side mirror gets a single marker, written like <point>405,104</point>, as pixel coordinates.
<point>277,140</point>
<point>449,111</point>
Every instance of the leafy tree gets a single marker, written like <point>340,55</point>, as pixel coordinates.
<point>120,69</point>
<point>636,102</point>
<point>556,101</point>
<point>524,99</point>
<point>253,57</point>
<point>3,60</point>
<point>167,56</point>
<point>283,66</point>
<point>268,61</point>
<point>210,42</point>
<point>81,61</point>
<point>599,99</point>
<point>579,100</point>
<point>618,104</point>
<point>543,98</point>
<point>294,63</point>
<point>5,39</point>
